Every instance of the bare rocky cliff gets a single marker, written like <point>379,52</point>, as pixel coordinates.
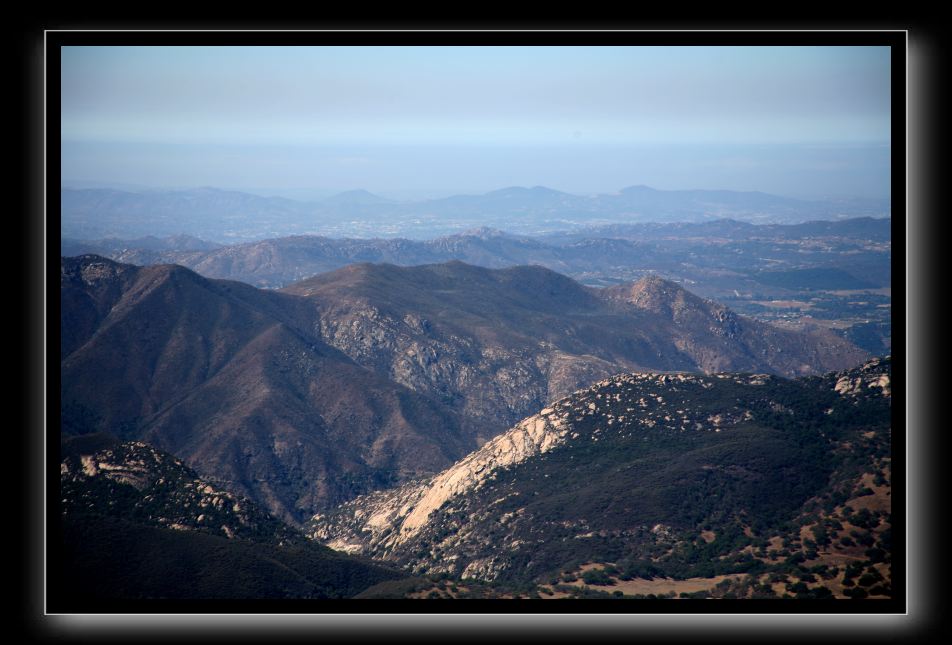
<point>385,520</point>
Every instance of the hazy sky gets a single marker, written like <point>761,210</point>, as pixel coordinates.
<point>802,121</point>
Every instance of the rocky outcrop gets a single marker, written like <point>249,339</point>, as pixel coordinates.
<point>136,482</point>
<point>867,380</point>
<point>384,520</point>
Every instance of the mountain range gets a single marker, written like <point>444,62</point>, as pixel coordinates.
<point>371,375</point>
<point>223,215</point>
<point>751,255</point>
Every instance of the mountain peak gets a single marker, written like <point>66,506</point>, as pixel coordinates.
<point>652,292</point>
<point>92,269</point>
<point>658,295</point>
<point>357,196</point>
<point>639,188</point>
<point>655,281</point>
<point>522,190</point>
<point>669,300</point>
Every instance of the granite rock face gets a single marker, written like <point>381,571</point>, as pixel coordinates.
<point>383,521</point>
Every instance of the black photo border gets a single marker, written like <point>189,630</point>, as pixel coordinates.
<point>875,617</point>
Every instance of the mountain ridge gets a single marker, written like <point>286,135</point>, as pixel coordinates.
<point>720,462</point>
<point>230,378</point>
<point>377,372</point>
<point>597,255</point>
<point>221,215</point>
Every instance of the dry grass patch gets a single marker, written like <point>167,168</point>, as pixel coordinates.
<point>643,586</point>
<point>659,586</point>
